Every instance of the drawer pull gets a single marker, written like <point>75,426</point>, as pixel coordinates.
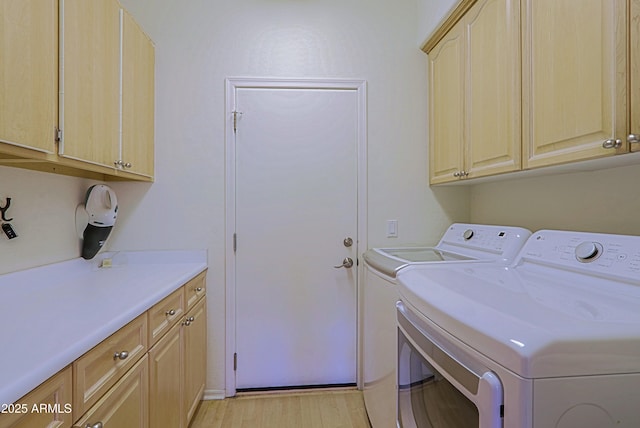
<point>96,425</point>
<point>121,355</point>
<point>198,289</point>
<point>170,312</point>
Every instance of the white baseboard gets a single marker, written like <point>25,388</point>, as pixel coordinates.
<point>214,394</point>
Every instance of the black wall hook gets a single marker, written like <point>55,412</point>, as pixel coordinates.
<point>4,209</point>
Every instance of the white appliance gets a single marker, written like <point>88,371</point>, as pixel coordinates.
<point>460,243</point>
<point>552,340</point>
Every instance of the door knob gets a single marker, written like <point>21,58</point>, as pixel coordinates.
<point>347,242</point>
<point>346,263</point>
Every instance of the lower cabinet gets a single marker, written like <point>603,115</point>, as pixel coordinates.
<point>177,371</point>
<point>95,372</point>
<point>121,383</point>
<point>165,381</point>
<point>195,357</point>
<point>125,404</point>
<point>49,405</point>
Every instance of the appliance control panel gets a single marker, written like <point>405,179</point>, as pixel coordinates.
<point>617,255</point>
<point>505,240</point>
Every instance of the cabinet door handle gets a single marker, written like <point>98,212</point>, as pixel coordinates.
<point>612,143</point>
<point>96,425</point>
<point>170,312</point>
<point>198,289</point>
<point>456,174</point>
<point>121,355</point>
<point>633,138</point>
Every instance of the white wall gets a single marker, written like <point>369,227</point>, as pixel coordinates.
<point>430,14</point>
<point>199,43</point>
<point>43,209</point>
<point>606,201</point>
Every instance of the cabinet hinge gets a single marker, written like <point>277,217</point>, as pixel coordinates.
<point>235,120</point>
<point>235,361</point>
<point>58,134</point>
<point>235,242</point>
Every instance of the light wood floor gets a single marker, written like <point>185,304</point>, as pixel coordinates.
<point>317,409</point>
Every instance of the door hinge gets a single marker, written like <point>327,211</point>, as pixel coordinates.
<point>235,120</point>
<point>235,242</point>
<point>58,134</point>
<point>235,361</point>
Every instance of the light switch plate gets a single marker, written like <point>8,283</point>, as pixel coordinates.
<point>392,228</point>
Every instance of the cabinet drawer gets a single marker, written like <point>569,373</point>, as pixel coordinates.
<point>101,367</point>
<point>195,289</point>
<point>53,401</point>
<point>163,315</point>
<point>125,405</point>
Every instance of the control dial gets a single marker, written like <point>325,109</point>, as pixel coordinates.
<point>468,234</point>
<point>588,251</point>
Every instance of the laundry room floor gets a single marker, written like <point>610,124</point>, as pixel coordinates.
<point>315,409</point>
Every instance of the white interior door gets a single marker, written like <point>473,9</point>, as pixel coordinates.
<point>296,202</point>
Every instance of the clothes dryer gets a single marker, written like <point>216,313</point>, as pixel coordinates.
<point>461,243</point>
<point>551,340</point>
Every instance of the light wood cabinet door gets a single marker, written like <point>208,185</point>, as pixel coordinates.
<point>49,405</point>
<point>90,115</point>
<point>166,381</point>
<point>574,79</point>
<point>634,50</point>
<point>124,405</point>
<point>29,73</point>
<point>195,357</point>
<point>474,73</point>
<point>138,87</point>
<point>492,104</point>
<point>446,106</point>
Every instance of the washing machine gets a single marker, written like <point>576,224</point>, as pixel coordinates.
<point>461,243</point>
<point>550,340</point>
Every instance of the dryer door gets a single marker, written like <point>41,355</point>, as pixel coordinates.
<point>439,387</point>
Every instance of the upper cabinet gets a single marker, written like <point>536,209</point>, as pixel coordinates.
<point>90,104</point>
<point>574,80</point>
<point>523,84</point>
<point>138,87</point>
<point>475,94</point>
<point>107,113</point>
<point>446,106</point>
<point>634,51</point>
<point>76,89</point>
<point>492,107</point>
<point>29,74</point>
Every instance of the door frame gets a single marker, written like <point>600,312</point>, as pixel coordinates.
<point>360,86</point>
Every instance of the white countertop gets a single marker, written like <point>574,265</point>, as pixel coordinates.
<point>53,314</point>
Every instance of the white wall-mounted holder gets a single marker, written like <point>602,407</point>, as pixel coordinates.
<point>82,219</point>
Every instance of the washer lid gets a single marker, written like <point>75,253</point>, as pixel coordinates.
<point>390,260</point>
<point>536,321</point>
